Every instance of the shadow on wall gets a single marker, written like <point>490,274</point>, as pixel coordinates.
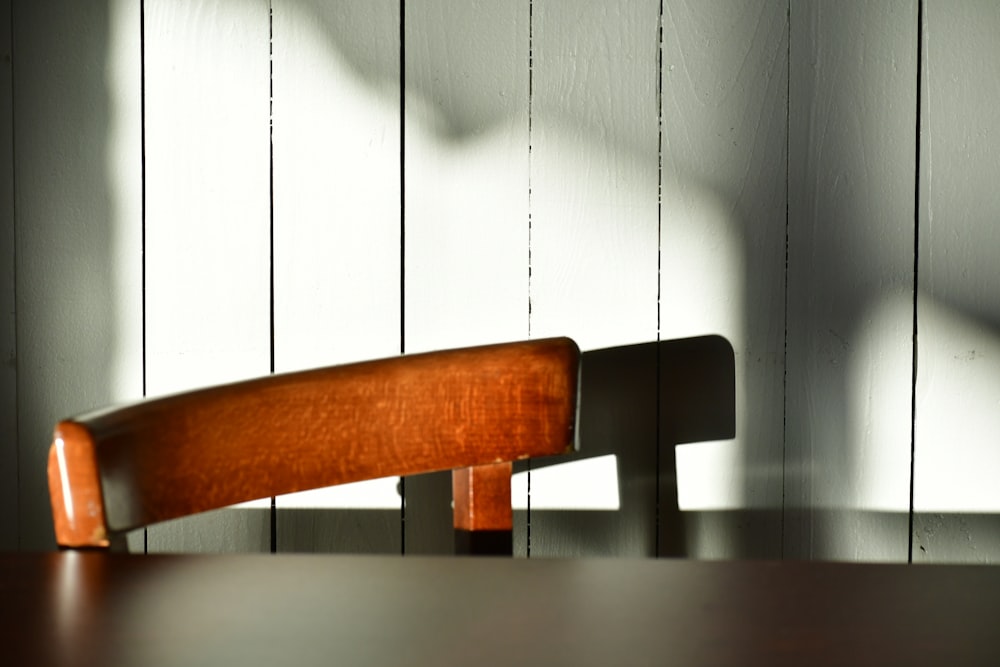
<point>8,348</point>
<point>451,90</point>
<point>725,205</point>
<point>67,228</point>
<point>694,396</point>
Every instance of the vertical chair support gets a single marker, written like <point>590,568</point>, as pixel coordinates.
<point>483,516</point>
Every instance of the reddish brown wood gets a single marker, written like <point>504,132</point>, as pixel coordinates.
<point>123,468</point>
<point>482,497</point>
<point>75,488</point>
<point>69,608</point>
<point>483,517</point>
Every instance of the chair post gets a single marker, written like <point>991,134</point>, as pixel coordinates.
<point>75,489</point>
<point>483,517</point>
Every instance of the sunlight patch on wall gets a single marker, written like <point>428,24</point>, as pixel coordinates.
<point>702,293</point>
<point>708,477</point>
<point>336,194</point>
<point>466,212</point>
<point>123,166</point>
<point>958,412</point>
<point>703,266</point>
<point>875,472</point>
<point>370,494</point>
<point>374,494</point>
<point>592,485</point>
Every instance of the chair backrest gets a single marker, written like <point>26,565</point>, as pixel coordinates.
<point>471,410</point>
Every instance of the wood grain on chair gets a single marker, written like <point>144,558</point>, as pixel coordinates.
<point>119,469</point>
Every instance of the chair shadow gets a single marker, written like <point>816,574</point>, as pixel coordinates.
<point>636,402</point>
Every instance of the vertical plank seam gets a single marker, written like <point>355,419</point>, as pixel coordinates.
<point>784,361</point>
<point>531,91</point>
<point>402,235</point>
<point>659,272</point>
<point>531,88</point>
<point>402,176</point>
<point>270,184</point>
<point>916,282</point>
<point>142,197</point>
<point>270,140</point>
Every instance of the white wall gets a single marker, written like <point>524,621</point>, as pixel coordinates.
<point>852,139</point>
<point>220,189</point>
<point>957,393</point>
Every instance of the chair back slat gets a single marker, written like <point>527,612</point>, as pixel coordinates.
<point>119,469</point>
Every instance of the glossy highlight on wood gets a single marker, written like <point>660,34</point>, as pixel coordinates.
<point>123,468</point>
<point>482,497</point>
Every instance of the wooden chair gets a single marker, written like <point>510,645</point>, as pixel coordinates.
<point>473,411</point>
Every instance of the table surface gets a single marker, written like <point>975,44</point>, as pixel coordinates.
<point>100,609</point>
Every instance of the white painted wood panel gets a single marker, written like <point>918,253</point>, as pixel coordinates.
<point>594,170</point>
<point>124,173</point>
<point>207,236</point>
<point>8,340</point>
<point>466,208</point>
<point>598,251</point>
<point>850,279</point>
<point>723,257</point>
<point>77,168</point>
<point>956,497</point>
<point>336,230</point>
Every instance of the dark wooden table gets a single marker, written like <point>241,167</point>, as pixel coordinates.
<point>247,610</point>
